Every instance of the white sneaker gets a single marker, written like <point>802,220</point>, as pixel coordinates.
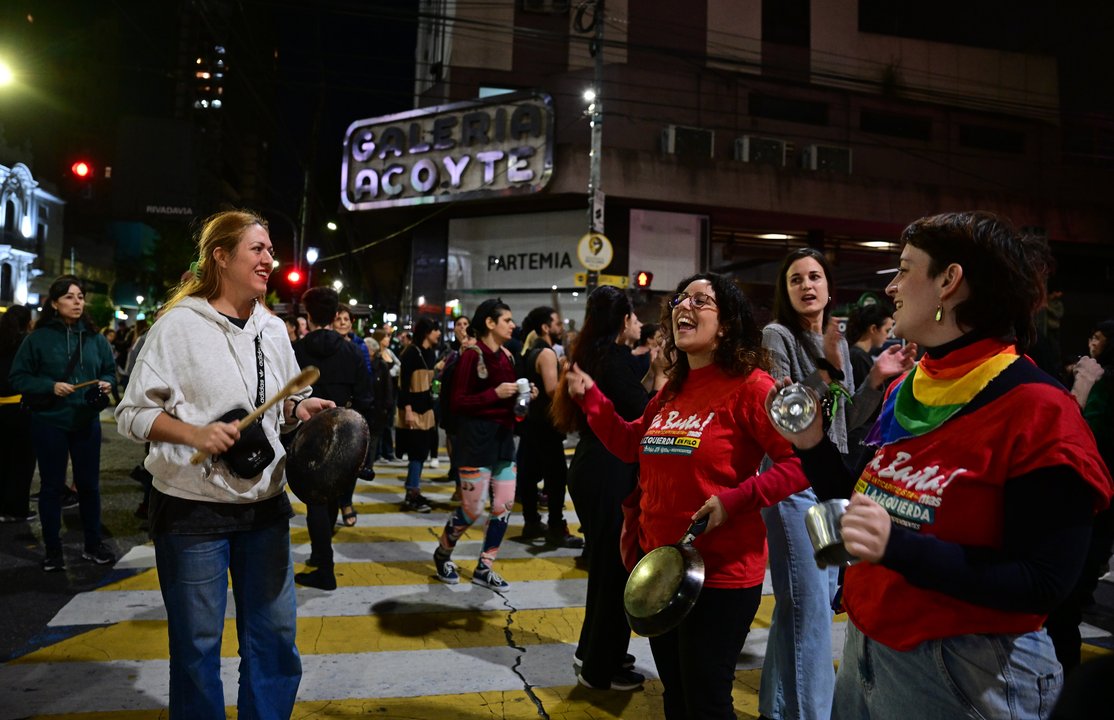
<point>433,463</point>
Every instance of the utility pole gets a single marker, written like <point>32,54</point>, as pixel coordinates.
<point>595,110</point>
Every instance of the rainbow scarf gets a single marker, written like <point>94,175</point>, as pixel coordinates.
<point>936,389</point>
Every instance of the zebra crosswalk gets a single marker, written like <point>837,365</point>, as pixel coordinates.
<point>391,641</point>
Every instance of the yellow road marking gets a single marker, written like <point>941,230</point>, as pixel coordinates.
<point>453,629</point>
<point>405,573</point>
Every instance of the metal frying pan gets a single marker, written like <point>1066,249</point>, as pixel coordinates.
<point>328,450</point>
<point>665,584</point>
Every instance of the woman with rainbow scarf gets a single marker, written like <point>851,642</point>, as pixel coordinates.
<point>972,519</point>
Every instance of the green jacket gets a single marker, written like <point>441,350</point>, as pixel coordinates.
<point>43,357</point>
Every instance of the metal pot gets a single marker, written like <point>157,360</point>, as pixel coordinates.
<point>822,521</point>
<point>326,454</point>
<point>665,584</point>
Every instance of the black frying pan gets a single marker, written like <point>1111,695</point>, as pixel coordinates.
<point>665,584</point>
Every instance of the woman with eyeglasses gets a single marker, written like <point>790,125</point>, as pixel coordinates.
<point>806,346</point>
<point>700,443</point>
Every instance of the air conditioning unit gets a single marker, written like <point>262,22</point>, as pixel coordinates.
<point>688,141</point>
<point>832,158</point>
<point>761,150</point>
<point>546,7</point>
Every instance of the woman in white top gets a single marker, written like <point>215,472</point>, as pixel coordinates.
<point>216,349</point>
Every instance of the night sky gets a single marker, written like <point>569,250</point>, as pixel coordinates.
<point>300,72</point>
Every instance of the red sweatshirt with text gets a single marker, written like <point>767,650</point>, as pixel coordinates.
<point>707,440</point>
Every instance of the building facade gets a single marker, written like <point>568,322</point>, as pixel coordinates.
<point>31,250</point>
<point>736,130</point>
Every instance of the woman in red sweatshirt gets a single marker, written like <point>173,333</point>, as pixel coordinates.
<point>699,445</point>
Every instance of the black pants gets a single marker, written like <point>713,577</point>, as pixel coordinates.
<point>320,519</point>
<point>18,465</point>
<point>541,456</point>
<point>599,483</point>
<point>696,660</point>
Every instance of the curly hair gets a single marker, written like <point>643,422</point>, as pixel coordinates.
<point>739,350</point>
<point>1005,270</point>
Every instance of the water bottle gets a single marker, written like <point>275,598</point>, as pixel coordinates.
<point>794,407</point>
<point>435,388</point>
<point>522,402</point>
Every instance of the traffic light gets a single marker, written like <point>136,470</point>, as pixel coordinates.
<point>82,176</point>
<point>642,279</point>
<point>82,170</point>
<point>294,277</point>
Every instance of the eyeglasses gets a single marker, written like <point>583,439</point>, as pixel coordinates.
<point>697,300</point>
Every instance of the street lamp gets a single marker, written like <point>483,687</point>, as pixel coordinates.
<point>7,77</point>
<point>338,285</point>
<point>312,254</point>
<point>331,225</point>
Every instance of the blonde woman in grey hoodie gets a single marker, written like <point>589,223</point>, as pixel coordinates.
<point>215,349</point>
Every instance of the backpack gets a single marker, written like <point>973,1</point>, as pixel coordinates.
<point>449,418</point>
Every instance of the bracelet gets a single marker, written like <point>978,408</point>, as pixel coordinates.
<point>833,372</point>
<point>294,407</point>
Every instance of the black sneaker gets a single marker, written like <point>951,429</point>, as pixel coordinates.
<point>561,537</point>
<point>69,499</point>
<point>416,503</point>
<point>54,562</point>
<point>101,555</point>
<point>628,662</point>
<point>321,578</point>
<point>533,529</point>
<point>622,680</point>
<point>446,569</point>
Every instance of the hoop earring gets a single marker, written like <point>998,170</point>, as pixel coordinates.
<point>939,313</point>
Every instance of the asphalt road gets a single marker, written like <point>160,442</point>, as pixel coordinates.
<point>32,597</point>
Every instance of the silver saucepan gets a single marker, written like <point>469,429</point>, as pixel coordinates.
<point>665,584</point>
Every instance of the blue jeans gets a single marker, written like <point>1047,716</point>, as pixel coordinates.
<point>414,475</point>
<point>967,676</point>
<point>193,574</point>
<point>797,675</point>
<point>55,447</point>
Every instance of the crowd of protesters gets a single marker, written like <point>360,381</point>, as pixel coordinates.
<point>931,585</point>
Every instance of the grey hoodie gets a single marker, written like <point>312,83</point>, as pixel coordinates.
<point>195,366</point>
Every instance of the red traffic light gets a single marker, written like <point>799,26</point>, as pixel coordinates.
<point>294,277</point>
<point>643,279</point>
<point>81,169</point>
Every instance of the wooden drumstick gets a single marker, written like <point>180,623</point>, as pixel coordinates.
<point>87,382</point>
<point>308,376</point>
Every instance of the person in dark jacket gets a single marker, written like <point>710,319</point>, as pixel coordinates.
<point>18,467</point>
<point>599,482</point>
<point>541,450</point>
<point>64,352</point>
<point>343,325</point>
<point>344,380</point>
